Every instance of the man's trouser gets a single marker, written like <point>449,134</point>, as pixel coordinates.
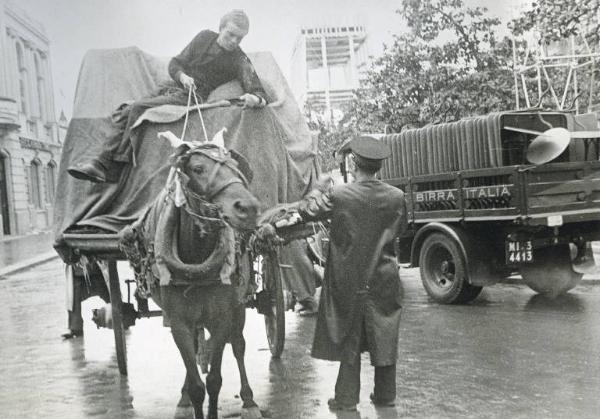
<point>347,386</point>
<point>120,146</point>
<point>299,275</point>
<point>82,290</point>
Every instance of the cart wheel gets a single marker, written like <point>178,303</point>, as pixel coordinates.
<point>275,319</point>
<point>443,271</point>
<point>116,303</point>
<point>551,272</point>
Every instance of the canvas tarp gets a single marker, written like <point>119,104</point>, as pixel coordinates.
<point>275,139</point>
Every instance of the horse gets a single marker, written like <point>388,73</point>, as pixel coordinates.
<point>184,251</point>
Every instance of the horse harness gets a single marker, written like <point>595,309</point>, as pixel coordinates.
<point>199,206</point>
<point>221,158</point>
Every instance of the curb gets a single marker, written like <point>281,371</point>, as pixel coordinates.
<point>27,263</point>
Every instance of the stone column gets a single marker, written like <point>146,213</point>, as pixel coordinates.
<point>10,66</point>
<point>47,70</point>
<point>32,95</point>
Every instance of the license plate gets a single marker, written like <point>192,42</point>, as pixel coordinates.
<point>519,252</point>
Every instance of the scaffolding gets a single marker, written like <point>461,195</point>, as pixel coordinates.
<point>326,63</point>
<point>573,55</point>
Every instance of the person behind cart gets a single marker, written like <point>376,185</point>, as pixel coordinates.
<point>208,61</point>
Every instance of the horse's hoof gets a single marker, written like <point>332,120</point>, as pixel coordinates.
<point>251,413</point>
<point>184,412</point>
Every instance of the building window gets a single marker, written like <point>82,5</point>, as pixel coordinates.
<point>41,87</point>
<point>50,182</point>
<point>22,78</point>
<point>34,184</point>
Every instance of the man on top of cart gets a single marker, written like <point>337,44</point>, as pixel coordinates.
<point>208,61</point>
<point>360,308</point>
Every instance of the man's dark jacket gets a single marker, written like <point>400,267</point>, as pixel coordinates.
<point>361,288</point>
<point>211,66</point>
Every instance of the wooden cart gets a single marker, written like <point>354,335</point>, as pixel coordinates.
<point>266,271</point>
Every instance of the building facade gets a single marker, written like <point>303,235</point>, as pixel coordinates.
<point>30,145</point>
<point>326,65</point>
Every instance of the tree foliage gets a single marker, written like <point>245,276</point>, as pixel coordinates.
<point>559,19</point>
<point>449,64</point>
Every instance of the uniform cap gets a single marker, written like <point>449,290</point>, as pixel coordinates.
<point>366,147</point>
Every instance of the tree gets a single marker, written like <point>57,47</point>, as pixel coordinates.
<point>330,135</point>
<point>554,22</point>
<point>448,66</point>
<point>559,19</point>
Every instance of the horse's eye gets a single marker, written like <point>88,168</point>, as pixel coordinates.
<point>198,170</point>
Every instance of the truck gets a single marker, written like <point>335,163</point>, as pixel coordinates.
<point>491,196</point>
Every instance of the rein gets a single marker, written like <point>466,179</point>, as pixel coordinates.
<point>207,216</point>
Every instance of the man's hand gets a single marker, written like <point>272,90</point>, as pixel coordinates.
<point>187,81</point>
<point>251,101</point>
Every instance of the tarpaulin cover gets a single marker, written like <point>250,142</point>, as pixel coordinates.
<point>275,139</point>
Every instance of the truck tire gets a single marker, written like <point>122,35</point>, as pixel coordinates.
<point>551,272</point>
<point>443,271</point>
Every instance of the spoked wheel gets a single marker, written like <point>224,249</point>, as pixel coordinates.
<point>117,316</point>
<point>551,272</point>
<point>443,271</point>
<point>269,270</point>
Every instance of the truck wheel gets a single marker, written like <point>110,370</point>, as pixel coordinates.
<point>551,272</point>
<point>443,271</point>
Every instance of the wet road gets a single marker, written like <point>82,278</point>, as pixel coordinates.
<point>510,354</point>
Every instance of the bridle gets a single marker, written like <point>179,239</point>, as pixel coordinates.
<point>206,214</point>
<point>221,158</point>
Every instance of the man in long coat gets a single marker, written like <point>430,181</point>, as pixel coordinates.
<point>360,301</point>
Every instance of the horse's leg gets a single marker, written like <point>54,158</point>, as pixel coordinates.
<point>185,339</point>
<point>184,409</point>
<point>214,379</point>
<point>250,409</point>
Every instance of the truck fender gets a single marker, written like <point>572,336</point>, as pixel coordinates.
<point>474,251</point>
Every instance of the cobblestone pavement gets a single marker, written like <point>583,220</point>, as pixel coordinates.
<point>509,354</point>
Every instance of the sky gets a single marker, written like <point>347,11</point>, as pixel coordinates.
<point>164,27</point>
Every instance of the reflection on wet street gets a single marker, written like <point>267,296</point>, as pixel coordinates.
<point>509,354</point>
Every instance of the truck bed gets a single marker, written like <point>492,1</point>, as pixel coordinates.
<point>528,194</point>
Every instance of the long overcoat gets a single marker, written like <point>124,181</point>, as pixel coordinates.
<point>360,300</point>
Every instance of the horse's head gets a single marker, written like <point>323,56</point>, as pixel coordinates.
<point>210,173</point>
<point>222,177</point>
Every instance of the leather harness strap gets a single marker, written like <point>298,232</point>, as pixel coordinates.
<point>221,160</point>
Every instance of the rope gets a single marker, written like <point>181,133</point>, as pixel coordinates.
<point>187,113</point>
<point>200,115</point>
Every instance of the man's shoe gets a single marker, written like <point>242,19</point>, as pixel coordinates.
<point>97,171</point>
<point>335,405</point>
<point>382,403</point>
<point>72,334</point>
<point>308,308</point>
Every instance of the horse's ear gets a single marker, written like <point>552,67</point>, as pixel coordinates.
<point>219,138</point>
<point>243,165</point>
<point>180,151</point>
